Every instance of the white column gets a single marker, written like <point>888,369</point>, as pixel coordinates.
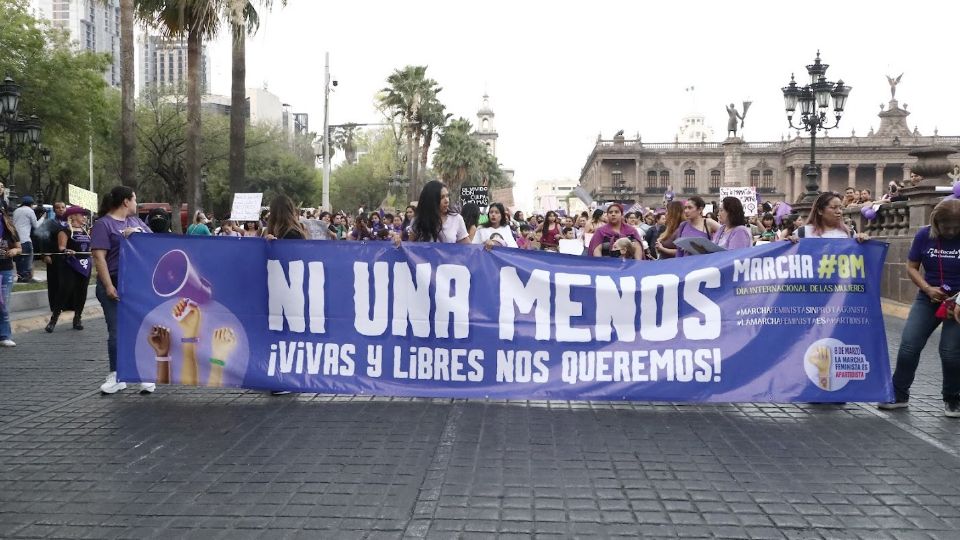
<point>906,173</point>
<point>878,189</point>
<point>824,176</point>
<point>788,185</point>
<point>636,176</point>
<point>851,175</point>
<point>799,182</point>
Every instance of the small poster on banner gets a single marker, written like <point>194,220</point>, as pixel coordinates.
<point>246,206</point>
<point>474,194</point>
<point>747,196</point>
<point>84,198</point>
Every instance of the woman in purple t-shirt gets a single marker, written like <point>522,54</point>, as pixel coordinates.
<point>118,219</point>
<point>933,265</point>
<point>733,232</point>
<point>695,226</point>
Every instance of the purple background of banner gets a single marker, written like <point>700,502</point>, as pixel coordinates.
<point>760,363</point>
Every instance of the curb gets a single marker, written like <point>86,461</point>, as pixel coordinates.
<point>894,309</point>
<point>37,322</point>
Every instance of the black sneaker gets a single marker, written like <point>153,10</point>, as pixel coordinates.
<point>951,409</point>
<point>892,405</point>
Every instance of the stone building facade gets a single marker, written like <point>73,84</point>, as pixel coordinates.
<point>630,170</point>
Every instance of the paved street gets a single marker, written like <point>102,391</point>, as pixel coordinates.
<point>232,464</point>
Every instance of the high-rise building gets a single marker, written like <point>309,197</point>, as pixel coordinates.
<point>93,25</point>
<point>163,64</point>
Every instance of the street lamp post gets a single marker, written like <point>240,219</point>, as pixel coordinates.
<point>19,131</point>
<point>814,100</point>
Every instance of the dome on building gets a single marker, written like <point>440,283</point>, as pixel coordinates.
<point>694,129</point>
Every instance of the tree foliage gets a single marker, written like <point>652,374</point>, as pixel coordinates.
<point>63,87</point>
<point>366,183</point>
<point>462,160</point>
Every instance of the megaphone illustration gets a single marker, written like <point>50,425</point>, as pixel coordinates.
<point>174,276</point>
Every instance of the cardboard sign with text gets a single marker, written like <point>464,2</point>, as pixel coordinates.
<point>246,206</point>
<point>478,195</point>
<point>747,196</point>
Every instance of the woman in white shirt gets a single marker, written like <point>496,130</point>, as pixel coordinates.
<point>435,222</point>
<point>826,220</point>
<point>496,224</point>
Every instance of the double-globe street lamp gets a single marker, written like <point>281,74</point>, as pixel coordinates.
<point>814,100</point>
<point>20,131</point>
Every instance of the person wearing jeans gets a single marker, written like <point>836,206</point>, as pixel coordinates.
<point>118,220</point>
<point>933,265</point>
<point>9,248</point>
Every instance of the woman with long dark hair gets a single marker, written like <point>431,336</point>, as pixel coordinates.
<point>733,232</point>
<point>284,220</point>
<point>695,224</point>
<point>9,249</point>
<point>471,217</point>
<point>549,232</point>
<point>496,224</point>
<point>826,220</point>
<point>435,222</point>
<point>118,220</point>
<point>408,215</point>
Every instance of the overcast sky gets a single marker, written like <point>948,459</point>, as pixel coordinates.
<point>560,73</point>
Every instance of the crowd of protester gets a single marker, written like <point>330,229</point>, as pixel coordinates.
<point>644,234</point>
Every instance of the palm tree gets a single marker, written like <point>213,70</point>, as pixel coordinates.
<point>128,126</point>
<point>196,20</point>
<point>243,19</point>
<point>460,158</point>
<point>409,90</point>
<point>433,117</point>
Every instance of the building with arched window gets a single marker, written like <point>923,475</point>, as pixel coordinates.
<point>645,169</point>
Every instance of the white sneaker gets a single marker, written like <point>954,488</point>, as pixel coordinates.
<point>7,343</point>
<point>147,388</point>
<point>111,386</point>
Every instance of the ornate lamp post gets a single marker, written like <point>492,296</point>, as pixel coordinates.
<point>814,100</point>
<point>19,131</point>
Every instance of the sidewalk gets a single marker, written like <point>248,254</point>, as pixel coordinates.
<point>234,464</point>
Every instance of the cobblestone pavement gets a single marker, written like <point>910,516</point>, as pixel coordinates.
<point>233,464</point>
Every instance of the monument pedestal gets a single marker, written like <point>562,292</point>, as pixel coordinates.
<point>732,162</point>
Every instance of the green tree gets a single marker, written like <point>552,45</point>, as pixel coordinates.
<point>195,20</point>
<point>367,181</point>
<point>243,19</point>
<point>128,130</point>
<point>40,58</point>
<point>411,97</point>
<point>462,160</point>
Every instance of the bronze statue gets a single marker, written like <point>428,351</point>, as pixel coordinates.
<point>893,85</point>
<point>734,116</point>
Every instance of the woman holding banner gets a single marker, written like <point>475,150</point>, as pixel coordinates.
<point>284,220</point>
<point>496,224</point>
<point>604,242</point>
<point>118,220</point>
<point>733,232</point>
<point>826,220</point>
<point>933,265</point>
<point>435,222</point>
